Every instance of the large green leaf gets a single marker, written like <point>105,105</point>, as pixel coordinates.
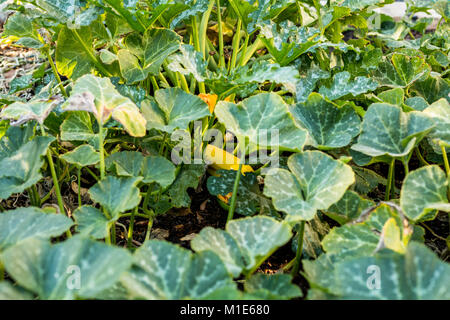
<point>10,292</point>
<point>74,268</point>
<point>72,60</point>
<point>424,191</point>
<point>125,163</point>
<point>432,88</point>
<point>188,62</point>
<point>417,275</point>
<point>99,96</point>
<point>84,155</point>
<point>348,208</point>
<point>166,271</point>
<point>158,169</point>
<point>439,111</point>
<point>328,126</point>
<point>307,83</point>
<point>23,112</point>
<point>274,286</point>
<point>23,223</point>
<point>145,55</point>
<point>173,109</point>
<point>21,169</point>
<point>315,181</point>
<point>401,69</point>
<point>244,246</point>
<point>256,117</point>
<point>21,26</point>
<point>77,127</point>
<point>342,85</point>
<point>387,130</point>
<point>91,222</point>
<point>116,195</point>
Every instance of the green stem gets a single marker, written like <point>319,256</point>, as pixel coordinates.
<point>420,157</point>
<point>154,83</point>
<point>149,227</point>
<point>298,255</point>
<point>79,186</point>
<point>55,72</point>
<point>244,50</point>
<point>219,22</point>
<point>184,84</point>
<point>113,232</point>
<point>389,181</point>
<point>2,272</point>
<point>204,28</point>
<point>101,150</point>
<point>406,166</point>
<point>258,44</point>
<point>130,228</point>
<point>37,198</point>
<point>92,57</point>
<point>236,39</point>
<point>446,164</point>
<point>234,194</point>
<point>2,208</point>
<point>54,176</point>
<point>91,173</point>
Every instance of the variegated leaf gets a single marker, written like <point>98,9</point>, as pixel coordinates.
<point>342,85</point>
<point>315,181</point>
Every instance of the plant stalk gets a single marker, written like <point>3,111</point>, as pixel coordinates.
<point>298,255</point>
<point>131,227</point>
<point>235,191</point>
<point>389,181</point>
<point>55,72</point>
<point>219,22</point>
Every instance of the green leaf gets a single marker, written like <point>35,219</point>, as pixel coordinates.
<point>21,169</point>
<point>257,116</point>
<point>387,130</point>
<point>22,112</point>
<point>348,208</point>
<point>244,246</point>
<point>125,163</point>
<point>189,177</point>
<point>51,271</point>
<point>401,69</point>
<point>251,236</point>
<point>222,243</point>
<point>417,275</point>
<point>71,58</point>
<point>315,181</point>
<point>77,127</point>
<point>116,195</point>
<point>10,292</point>
<point>23,223</point>
<point>306,84</point>
<point>82,156</point>
<point>273,286</point>
<point>166,271</point>
<point>328,126</point>
<point>188,62</point>
<point>158,169</point>
<point>417,103</point>
<point>173,109</point>
<point>91,222</point>
<point>99,96</point>
<point>432,88</point>
<point>423,191</point>
<point>439,111</point>
<point>145,55</point>
<point>394,96</point>
<point>342,85</point>
<point>250,199</point>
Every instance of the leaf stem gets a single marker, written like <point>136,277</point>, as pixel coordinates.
<point>446,164</point>
<point>234,194</point>
<point>219,22</point>
<point>55,72</point>
<point>298,254</point>
<point>54,176</point>
<point>131,227</point>
<point>236,39</point>
<point>204,28</point>
<point>420,157</point>
<point>389,181</point>
<point>101,150</point>
<point>79,185</point>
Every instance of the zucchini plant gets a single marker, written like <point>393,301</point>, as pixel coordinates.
<point>320,130</point>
